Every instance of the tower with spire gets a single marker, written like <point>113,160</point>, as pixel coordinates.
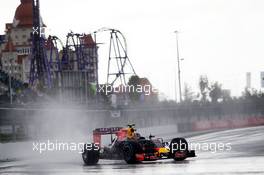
<point>15,45</point>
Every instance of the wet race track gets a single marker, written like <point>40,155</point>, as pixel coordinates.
<point>246,156</point>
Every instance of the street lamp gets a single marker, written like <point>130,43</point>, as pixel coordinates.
<point>179,70</point>
<point>10,64</point>
<point>10,81</point>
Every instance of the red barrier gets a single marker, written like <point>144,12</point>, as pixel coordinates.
<point>201,125</point>
<point>256,121</point>
<point>237,123</point>
<point>219,124</point>
<point>227,123</point>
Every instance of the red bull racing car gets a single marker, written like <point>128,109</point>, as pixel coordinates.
<point>130,146</point>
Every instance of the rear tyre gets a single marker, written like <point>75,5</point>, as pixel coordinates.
<point>179,149</point>
<point>130,149</point>
<point>90,155</point>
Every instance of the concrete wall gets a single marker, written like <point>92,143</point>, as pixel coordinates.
<point>74,122</point>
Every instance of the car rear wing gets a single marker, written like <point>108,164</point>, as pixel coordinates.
<point>105,131</point>
<point>98,132</point>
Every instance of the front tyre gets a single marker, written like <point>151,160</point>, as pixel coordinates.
<point>179,149</point>
<point>90,156</point>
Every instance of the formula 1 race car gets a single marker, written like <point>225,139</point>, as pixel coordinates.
<point>130,146</point>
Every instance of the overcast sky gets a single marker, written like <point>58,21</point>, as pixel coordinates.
<point>222,39</point>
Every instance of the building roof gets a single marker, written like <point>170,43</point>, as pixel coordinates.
<point>88,40</point>
<point>24,14</point>
<point>144,81</point>
<point>9,26</point>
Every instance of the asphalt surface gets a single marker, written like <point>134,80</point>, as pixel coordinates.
<point>239,151</point>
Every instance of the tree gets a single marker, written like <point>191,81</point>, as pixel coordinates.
<point>188,94</point>
<point>215,92</point>
<point>134,80</point>
<point>226,95</point>
<point>203,85</point>
<point>246,93</point>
